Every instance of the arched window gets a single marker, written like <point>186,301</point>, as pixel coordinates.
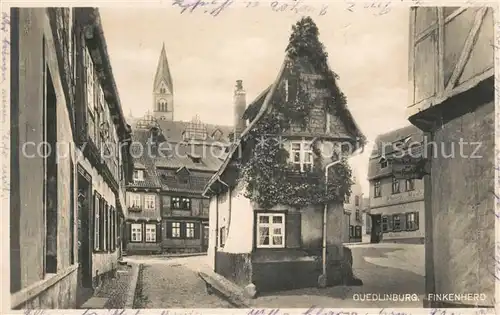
<point>162,106</point>
<point>162,90</point>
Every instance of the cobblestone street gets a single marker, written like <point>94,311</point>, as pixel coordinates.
<point>171,283</point>
<point>383,268</point>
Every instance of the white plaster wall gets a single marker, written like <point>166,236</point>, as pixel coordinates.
<point>240,233</point>
<point>212,237</point>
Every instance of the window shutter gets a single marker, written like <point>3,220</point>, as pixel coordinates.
<point>389,223</point>
<point>197,230</point>
<point>112,229</point>
<point>128,236</point>
<point>416,221</point>
<point>168,231</point>
<point>293,235</point>
<point>143,231</point>
<point>158,232</point>
<point>101,224</point>
<point>92,223</point>
<point>402,218</point>
<point>183,229</point>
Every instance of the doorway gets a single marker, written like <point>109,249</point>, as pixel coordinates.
<point>204,244</point>
<point>84,234</point>
<point>376,233</point>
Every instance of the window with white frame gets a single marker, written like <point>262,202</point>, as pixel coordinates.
<point>134,200</point>
<point>190,230</point>
<point>150,233</point>
<point>136,232</point>
<point>149,202</point>
<point>270,230</point>
<point>175,229</point>
<point>138,175</point>
<point>302,156</point>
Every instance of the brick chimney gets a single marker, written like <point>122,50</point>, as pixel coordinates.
<point>240,105</point>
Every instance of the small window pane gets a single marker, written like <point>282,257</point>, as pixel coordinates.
<point>277,240</point>
<point>264,219</point>
<point>277,219</point>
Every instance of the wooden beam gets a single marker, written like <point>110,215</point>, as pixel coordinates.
<point>411,58</point>
<point>440,52</point>
<point>455,14</point>
<point>466,51</point>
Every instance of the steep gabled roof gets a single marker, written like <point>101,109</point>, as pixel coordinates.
<point>163,71</point>
<point>261,105</point>
<point>263,109</point>
<point>142,158</point>
<point>172,130</point>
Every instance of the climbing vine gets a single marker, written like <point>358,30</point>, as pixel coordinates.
<point>270,176</point>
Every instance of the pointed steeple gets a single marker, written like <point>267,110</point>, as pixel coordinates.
<point>163,72</point>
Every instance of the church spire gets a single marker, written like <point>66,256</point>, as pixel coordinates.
<point>163,90</point>
<point>163,71</point>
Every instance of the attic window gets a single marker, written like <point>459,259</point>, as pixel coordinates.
<point>383,162</point>
<point>195,158</point>
<point>138,175</point>
<point>217,134</point>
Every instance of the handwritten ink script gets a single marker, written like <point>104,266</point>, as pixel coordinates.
<point>216,7</point>
<point>5,132</point>
<point>5,44</point>
<point>378,7</point>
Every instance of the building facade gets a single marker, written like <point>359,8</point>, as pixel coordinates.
<point>452,101</point>
<point>263,248</point>
<point>173,161</point>
<point>367,220</point>
<point>65,200</point>
<point>396,205</point>
<point>353,207</point>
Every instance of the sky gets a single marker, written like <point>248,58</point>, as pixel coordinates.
<point>207,54</point>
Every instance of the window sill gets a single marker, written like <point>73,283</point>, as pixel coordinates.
<point>35,289</point>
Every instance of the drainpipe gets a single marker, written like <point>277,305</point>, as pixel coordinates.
<point>323,278</point>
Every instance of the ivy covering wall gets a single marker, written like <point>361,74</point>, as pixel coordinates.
<point>270,178</point>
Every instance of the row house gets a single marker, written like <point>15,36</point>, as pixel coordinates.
<point>166,211</point>
<point>67,197</point>
<point>264,237</point>
<point>173,161</point>
<point>452,100</point>
<point>396,204</point>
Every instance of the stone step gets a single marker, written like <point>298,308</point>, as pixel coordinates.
<point>95,303</point>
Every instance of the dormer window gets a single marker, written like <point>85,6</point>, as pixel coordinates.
<point>217,134</point>
<point>383,163</point>
<point>195,158</point>
<point>138,175</point>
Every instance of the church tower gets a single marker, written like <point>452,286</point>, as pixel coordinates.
<point>163,90</point>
